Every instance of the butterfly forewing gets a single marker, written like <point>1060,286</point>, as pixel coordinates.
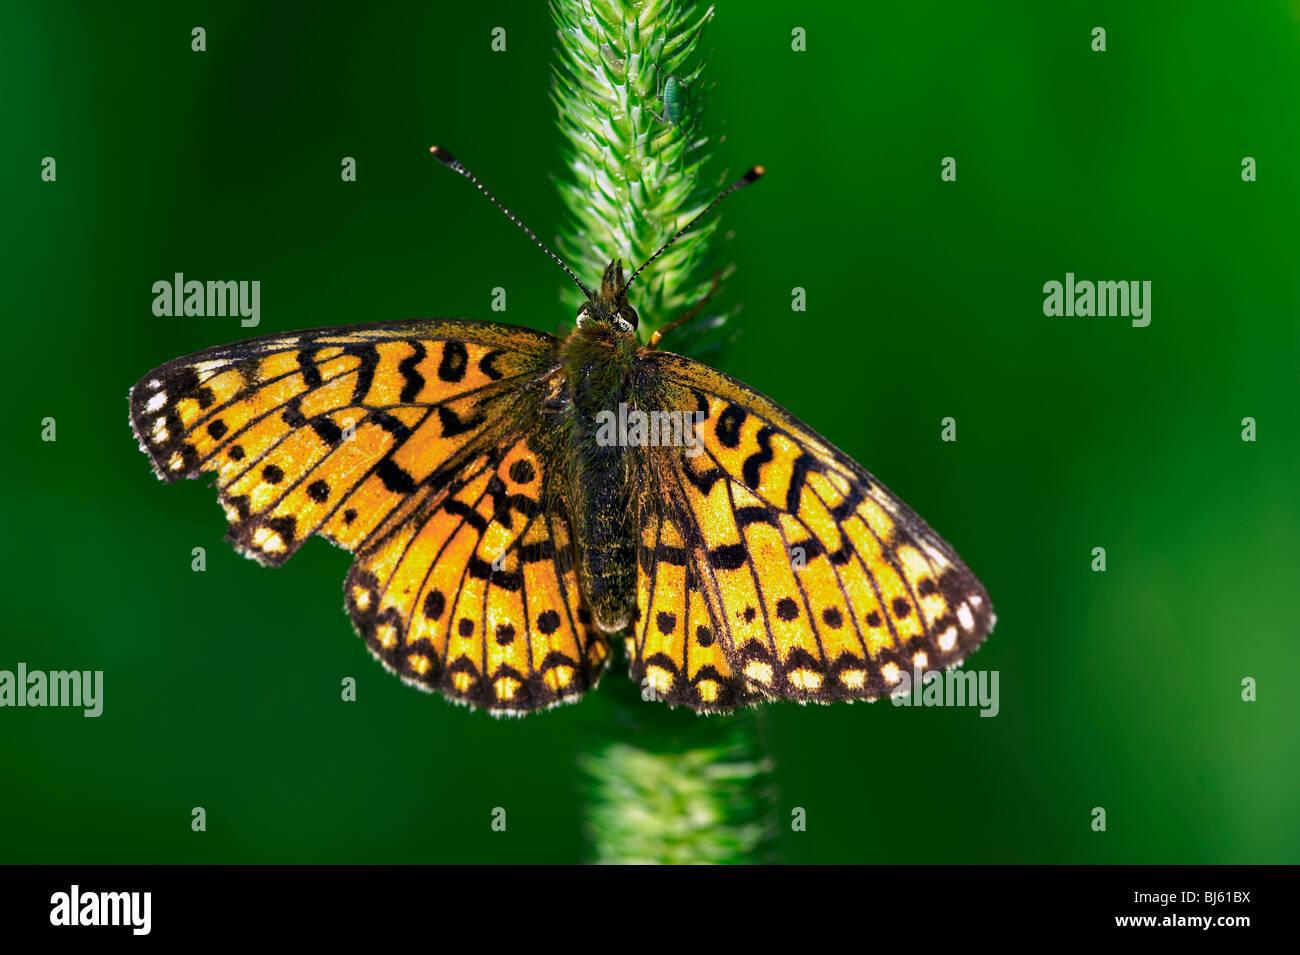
<point>333,431</point>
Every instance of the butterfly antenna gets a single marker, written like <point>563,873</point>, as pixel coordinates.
<point>454,164</point>
<point>755,173</point>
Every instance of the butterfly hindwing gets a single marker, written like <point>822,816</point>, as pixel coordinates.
<point>828,587</point>
<point>477,597</point>
<point>336,430</point>
<point>677,647</point>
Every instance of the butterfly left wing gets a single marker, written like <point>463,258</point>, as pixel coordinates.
<point>821,585</point>
<point>420,446</point>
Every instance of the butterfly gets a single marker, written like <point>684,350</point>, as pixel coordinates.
<point>515,501</point>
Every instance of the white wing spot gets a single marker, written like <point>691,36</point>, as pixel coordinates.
<point>157,401</point>
<point>948,639</point>
<point>936,555</point>
<point>965,616</point>
<point>268,540</point>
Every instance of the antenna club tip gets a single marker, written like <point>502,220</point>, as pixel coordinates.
<point>442,155</point>
<point>756,172</point>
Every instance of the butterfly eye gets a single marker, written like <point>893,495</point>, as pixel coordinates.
<point>584,316</point>
<point>627,319</point>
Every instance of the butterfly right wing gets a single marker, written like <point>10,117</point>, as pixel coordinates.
<point>819,584</point>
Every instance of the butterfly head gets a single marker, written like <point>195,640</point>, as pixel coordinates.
<point>609,306</point>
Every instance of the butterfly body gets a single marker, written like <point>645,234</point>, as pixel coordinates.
<point>599,371</point>
<point>507,519</point>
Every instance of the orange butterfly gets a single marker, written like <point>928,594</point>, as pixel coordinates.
<point>514,499</point>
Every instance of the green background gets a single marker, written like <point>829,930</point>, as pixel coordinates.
<point>1119,689</point>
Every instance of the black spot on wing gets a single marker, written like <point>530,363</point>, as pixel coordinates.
<point>413,381</point>
<point>392,425</point>
<point>703,482</point>
<point>749,472</point>
<point>292,414</point>
<point>729,424</point>
<point>310,371</point>
<point>472,517</point>
<point>369,361</point>
<point>487,365</point>
<point>452,424</point>
<point>844,508</point>
<point>728,556</point>
<point>803,465</point>
<point>454,361</point>
<point>754,515</point>
<point>434,604</point>
<point>395,477</point>
<point>330,433</point>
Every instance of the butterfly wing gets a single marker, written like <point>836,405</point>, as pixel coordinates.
<point>818,583</point>
<point>678,645</point>
<point>336,430</point>
<point>384,436</point>
<point>477,597</point>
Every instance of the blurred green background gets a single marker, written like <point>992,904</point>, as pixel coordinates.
<point>1120,690</point>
